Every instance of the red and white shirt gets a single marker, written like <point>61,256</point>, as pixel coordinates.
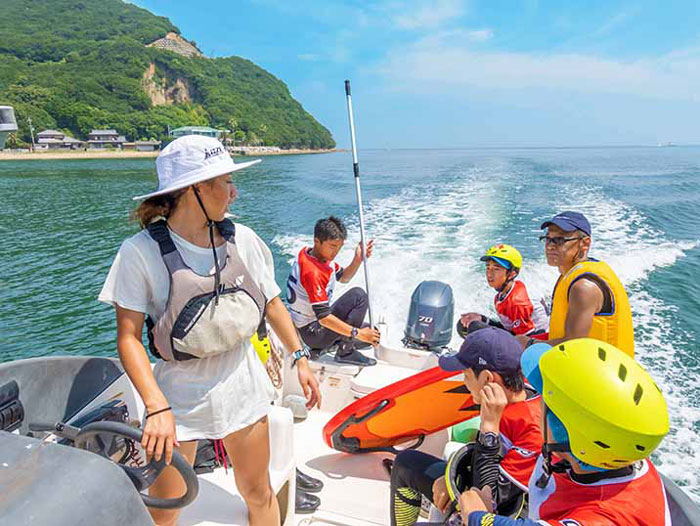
<point>521,439</point>
<point>518,314</point>
<point>310,287</point>
<point>636,500</point>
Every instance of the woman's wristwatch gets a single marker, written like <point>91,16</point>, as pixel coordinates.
<point>298,355</point>
<point>353,333</point>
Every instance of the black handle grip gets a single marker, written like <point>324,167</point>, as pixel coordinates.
<point>347,87</point>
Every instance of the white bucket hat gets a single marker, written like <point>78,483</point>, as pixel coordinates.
<point>189,160</point>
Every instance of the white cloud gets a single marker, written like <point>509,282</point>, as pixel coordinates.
<point>309,57</point>
<point>480,35</point>
<point>443,62</point>
<point>428,15</point>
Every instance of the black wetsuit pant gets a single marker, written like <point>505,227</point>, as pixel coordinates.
<point>412,475</point>
<point>351,308</point>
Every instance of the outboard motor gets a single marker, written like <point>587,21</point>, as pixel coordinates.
<point>429,324</point>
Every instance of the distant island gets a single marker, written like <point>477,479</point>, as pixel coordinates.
<point>77,66</point>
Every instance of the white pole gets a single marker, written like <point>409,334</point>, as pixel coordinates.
<point>356,172</point>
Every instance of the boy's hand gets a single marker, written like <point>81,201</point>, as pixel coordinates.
<point>469,317</point>
<point>493,402</point>
<point>441,499</point>
<point>475,500</point>
<point>368,251</point>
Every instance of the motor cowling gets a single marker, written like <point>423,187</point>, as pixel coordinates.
<point>430,317</point>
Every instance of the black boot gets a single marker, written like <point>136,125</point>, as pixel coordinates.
<point>305,502</point>
<point>308,483</point>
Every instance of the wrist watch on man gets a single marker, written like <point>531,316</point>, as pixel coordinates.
<point>353,333</point>
<point>488,440</point>
<point>298,355</point>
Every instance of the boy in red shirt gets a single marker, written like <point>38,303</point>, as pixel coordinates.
<point>509,439</point>
<point>516,312</point>
<point>321,321</point>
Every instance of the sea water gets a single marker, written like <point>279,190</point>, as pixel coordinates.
<point>432,213</point>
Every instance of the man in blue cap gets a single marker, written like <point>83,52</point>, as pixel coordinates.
<point>588,300</point>
<point>509,440</point>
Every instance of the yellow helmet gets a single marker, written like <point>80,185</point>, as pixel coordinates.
<point>613,411</point>
<point>505,255</point>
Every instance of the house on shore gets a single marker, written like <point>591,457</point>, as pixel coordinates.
<point>197,130</point>
<point>142,146</point>
<point>56,140</point>
<point>101,139</point>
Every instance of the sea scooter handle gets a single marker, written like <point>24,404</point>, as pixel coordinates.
<point>142,477</point>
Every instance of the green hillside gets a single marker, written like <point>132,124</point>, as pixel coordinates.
<point>79,65</point>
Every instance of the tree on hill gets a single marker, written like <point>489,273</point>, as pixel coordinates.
<point>81,65</point>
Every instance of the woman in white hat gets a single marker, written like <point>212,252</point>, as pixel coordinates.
<point>203,286</point>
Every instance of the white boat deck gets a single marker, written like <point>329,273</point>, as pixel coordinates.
<point>355,486</point>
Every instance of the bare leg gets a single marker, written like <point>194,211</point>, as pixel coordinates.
<point>170,485</point>
<point>249,450</point>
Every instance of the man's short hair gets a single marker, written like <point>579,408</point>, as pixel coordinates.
<point>330,228</point>
<point>513,382</point>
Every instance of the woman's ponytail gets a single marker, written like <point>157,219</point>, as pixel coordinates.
<point>158,206</point>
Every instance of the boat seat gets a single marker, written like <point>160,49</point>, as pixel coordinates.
<point>377,376</point>
<point>219,501</point>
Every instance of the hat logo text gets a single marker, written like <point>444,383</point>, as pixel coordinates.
<point>212,152</point>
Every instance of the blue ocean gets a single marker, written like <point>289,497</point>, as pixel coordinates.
<point>432,214</point>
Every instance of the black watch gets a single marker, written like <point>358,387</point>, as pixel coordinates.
<point>489,440</point>
<point>298,355</point>
<point>353,333</point>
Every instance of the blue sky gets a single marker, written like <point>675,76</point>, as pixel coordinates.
<point>460,73</point>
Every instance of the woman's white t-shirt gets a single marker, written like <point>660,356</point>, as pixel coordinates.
<point>210,397</point>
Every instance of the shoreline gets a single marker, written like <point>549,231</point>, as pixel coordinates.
<point>53,156</point>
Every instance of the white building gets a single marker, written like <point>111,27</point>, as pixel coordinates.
<point>55,140</point>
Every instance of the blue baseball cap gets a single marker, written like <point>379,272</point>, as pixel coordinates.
<point>570,221</point>
<point>504,263</point>
<point>530,364</point>
<point>489,348</point>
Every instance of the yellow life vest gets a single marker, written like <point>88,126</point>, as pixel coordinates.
<point>615,326</point>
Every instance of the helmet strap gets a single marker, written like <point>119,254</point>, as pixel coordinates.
<point>547,449</point>
<point>509,279</point>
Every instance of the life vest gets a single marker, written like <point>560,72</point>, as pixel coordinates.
<point>613,324</point>
<point>198,322</point>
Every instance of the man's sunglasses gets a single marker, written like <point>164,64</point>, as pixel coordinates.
<point>557,241</point>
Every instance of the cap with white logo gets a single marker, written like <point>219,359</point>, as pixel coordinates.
<point>489,348</point>
<point>189,160</point>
